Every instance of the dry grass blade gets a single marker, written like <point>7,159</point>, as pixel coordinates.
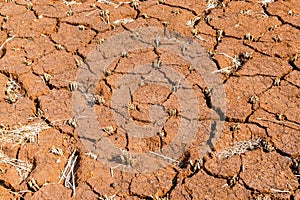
<point>6,41</point>
<point>237,62</point>
<point>164,157</point>
<point>212,4</point>
<point>56,151</point>
<point>239,148</point>
<point>91,155</point>
<point>105,197</point>
<point>123,21</point>
<point>21,166</point>
<point>68,3</point>
<point>22,134</point>
<point>280,191</point>
<point>68,172</point>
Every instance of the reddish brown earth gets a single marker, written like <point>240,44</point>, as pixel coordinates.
<point>51,40</point>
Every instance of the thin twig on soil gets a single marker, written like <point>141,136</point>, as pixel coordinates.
<point>108,2</point>
<point>280,191</point>
<point>105,197</point>
<point>20,194</point>
<point>212,4</point>
<point>22,134</point>
<point>164,157</point>
<point>91,155</point>
<point>112,171</point>
<point>68,3</point>
<point>236,63</point>
<point>90,13</point>
<point>6,41</point>
<point>23,167</point>
<point>285,123</point>
<point>123,21</point>
<point>68,173</point>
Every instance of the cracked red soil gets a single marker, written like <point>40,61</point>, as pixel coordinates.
<point>52,38</point>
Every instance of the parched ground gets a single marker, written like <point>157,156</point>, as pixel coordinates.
<point>255,46</point>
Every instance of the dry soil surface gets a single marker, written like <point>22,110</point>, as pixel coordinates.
<point>254,47</point>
